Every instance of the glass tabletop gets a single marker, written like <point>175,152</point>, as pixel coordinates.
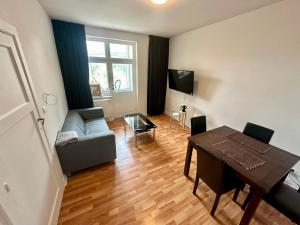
<point>138,122</point>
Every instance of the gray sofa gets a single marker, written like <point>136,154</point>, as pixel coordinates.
<point>96,142</point>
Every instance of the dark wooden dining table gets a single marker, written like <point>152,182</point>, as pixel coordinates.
<point>277,164</point>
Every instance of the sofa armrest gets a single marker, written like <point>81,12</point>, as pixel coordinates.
<point>90,113</point>
<point>90,150</point>
<point>100,140</point>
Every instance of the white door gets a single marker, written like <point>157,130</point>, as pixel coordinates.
<point>28,188</point>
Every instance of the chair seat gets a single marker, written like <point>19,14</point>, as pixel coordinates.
<point>286,200</point>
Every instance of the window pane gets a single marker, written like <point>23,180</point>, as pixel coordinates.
<point>122,74</point>
<point>95,48</point>
<point>121,51</point>
<point>98,78</point>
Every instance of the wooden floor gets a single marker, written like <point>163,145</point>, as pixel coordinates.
<point>147,186</point>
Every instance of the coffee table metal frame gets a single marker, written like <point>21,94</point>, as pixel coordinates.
<point>148,126</point>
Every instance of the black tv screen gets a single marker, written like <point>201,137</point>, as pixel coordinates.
<point>181,80</point>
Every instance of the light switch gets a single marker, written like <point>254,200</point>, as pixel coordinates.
<point>44,108</point>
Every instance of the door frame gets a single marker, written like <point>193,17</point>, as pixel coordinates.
<point>10,30</point>
<point>4,217</point>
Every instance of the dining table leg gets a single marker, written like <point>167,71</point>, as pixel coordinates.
<point>252,206</point>
<point>188,158</point>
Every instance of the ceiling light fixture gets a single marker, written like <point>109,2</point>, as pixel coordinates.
<point>159,2</point>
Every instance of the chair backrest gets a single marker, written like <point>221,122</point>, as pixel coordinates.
<point>258,132</point>
<point>198,125</point>
<point>211,169</point>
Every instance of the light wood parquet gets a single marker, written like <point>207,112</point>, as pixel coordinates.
<point>146,186</point>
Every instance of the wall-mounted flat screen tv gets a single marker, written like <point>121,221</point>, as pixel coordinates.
<point>181,80</point>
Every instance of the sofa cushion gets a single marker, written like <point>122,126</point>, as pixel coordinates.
<point>74,122</point>
<point>98,125</point>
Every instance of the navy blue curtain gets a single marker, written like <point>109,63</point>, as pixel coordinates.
<point>158,59</point>
<point>70,42</point>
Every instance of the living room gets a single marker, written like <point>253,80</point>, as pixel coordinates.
<point>136,112</point>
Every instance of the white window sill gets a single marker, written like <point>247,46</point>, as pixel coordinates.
<point>124,91</point>
<point>102,98</point>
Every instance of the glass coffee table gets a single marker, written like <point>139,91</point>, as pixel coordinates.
<point>139,124</point>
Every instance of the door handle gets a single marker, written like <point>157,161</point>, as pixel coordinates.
<point>42,120</point>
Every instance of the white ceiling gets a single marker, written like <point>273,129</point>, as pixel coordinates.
<point>142,16</point>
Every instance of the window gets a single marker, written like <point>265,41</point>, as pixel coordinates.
<point>96,48</point>
<point>121,51</point>
<point>98,75</point>
<point>112,65</point>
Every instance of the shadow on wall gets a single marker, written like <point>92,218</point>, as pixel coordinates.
<point>195,111</point>
<point>211,123</point>
<point>206,87</point>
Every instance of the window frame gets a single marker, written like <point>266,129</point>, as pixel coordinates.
<point>110,61</point>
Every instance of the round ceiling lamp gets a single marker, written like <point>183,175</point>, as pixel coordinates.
<point>159,2</point>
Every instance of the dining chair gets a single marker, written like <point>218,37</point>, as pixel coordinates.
<point>198,125</point>
<point>258,132</point>
<point>214,172</point>
<point>286,200</point>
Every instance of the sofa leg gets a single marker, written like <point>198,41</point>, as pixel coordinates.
<point>135,137</point>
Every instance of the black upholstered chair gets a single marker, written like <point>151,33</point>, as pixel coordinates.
<point>286,200</point>
<point>258,132</point>
<point>262,134</point>
<point>198,125</point>
<point>217,175</point>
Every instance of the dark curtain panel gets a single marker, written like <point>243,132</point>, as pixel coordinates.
<point>73,59</point>
<point>158,60</point>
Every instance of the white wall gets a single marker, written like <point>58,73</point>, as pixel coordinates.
<point>247,69</point>
<point>36,36</point>
<point>134,101</point>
